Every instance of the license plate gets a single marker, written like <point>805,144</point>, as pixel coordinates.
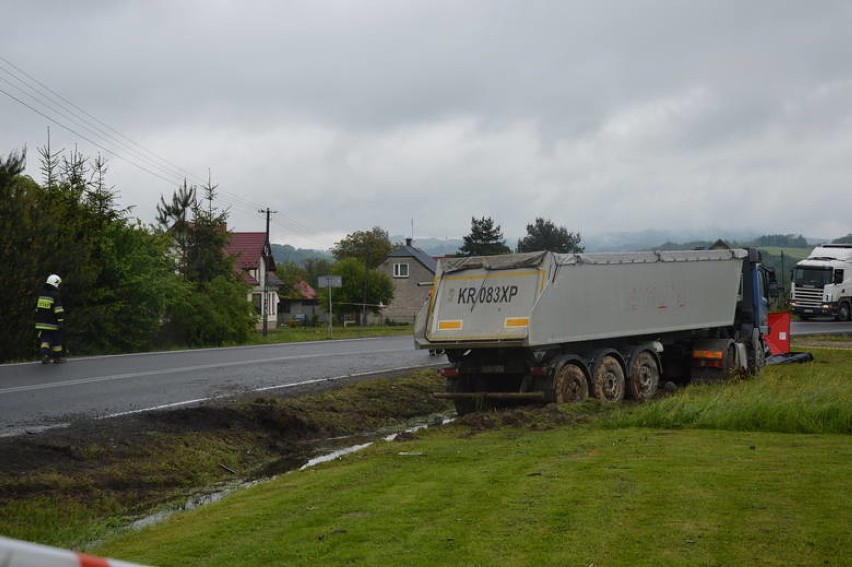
<point>809,310</point>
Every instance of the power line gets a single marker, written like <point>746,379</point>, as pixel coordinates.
<point>172,174</point>
<point>120,146</point>
<point>61,125</point>
<point>79,117</point>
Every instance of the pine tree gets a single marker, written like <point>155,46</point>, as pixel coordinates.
<point>485,239</point>
<point>544,235</point>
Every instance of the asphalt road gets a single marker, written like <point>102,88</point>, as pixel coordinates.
<point>820,327</point>
<point>34,396</point>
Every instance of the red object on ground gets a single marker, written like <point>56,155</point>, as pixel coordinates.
<point>778,339</point>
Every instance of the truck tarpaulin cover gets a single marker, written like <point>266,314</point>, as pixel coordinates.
<point>507,262</point>
<point>540,299</point>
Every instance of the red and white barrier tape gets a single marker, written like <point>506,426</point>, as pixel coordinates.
<point>16,553</point>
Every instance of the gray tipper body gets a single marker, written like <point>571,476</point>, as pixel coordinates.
<point>542,298</point>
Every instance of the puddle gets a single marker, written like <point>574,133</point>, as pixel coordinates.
<point>355,448</point>
<point>334,455</point>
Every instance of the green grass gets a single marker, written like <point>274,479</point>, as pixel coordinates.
<point>747,473</point>
<point>302,334</point>
<point>810,398</point>
<point>581,497</point>
<point>792,255</point>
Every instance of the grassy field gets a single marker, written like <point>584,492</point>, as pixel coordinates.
<point>753,472</point>
<point>793,255</point>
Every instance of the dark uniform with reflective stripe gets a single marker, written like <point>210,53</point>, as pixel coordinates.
<point>49,320</point>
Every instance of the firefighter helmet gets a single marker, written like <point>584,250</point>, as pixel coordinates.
<point>54,280</point>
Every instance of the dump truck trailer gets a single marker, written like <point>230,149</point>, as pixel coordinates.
<point>561,327</point>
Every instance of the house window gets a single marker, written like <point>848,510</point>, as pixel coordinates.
<point>257,301</point>
<point>400,270</point>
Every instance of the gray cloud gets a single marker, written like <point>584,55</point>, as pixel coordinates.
<point>606,116</point>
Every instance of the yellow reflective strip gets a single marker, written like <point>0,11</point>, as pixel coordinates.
<point>493,275</point>
<point>711,354</point>
<point>450,325</point>
<point>45,302</point>
<point>513,322</point>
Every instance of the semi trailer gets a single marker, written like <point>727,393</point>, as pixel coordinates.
<point>562,327</point>
<point>822,283</point>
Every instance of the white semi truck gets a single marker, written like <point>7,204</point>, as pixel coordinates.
<point>822,283</point>
<point>561,327</point>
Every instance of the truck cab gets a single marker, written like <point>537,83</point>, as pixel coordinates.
<point>822,283</point>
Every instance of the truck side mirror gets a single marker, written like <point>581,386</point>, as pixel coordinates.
<point>838,276</point>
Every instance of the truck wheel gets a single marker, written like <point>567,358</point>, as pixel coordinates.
<point>608,379</point>
<point>843,312</point>
<point>643,376</point>
<point>570,384</point>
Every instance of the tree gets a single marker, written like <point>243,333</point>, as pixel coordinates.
<point>782,240</point>
<point>371,247</point>
<point>843,239</point>
<point>484,239</point>
<point>211,313</point>
<point>174,218</point>
<point>212,306</point>
<point>117,281</point>
<point>316,267</point>
<point>544,235</point>
<point>377,290</point>
<point>200,234</point>
<point>17,269</point>
<point>49,163</point>
<point>101,197</point>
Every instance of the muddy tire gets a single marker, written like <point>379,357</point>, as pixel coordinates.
<point>756,353</point>
<point>843,312</point>
<point>608,381</point>
<point>570,384</point>
<point>643,376</point>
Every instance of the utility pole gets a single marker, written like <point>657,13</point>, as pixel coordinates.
<point>264,304</point>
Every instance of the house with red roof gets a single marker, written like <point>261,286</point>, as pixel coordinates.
<point>256,266</point>
<point>300,306</point>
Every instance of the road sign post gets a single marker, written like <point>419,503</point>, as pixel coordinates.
<point>329,282</point>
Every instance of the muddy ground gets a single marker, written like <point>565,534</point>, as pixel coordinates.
<point>129,465</point>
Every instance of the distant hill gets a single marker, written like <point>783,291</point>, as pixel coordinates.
<point>286,254</point>
<point>432,246</point>
<point>609,242</point>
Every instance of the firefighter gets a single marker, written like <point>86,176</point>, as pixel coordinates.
<point>49,321</point>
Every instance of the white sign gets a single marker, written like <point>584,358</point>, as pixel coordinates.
<point>330,281</point>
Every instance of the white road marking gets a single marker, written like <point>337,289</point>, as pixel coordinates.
<point>96,379</point>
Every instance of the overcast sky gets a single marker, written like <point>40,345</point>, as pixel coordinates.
<point>603,116</point>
